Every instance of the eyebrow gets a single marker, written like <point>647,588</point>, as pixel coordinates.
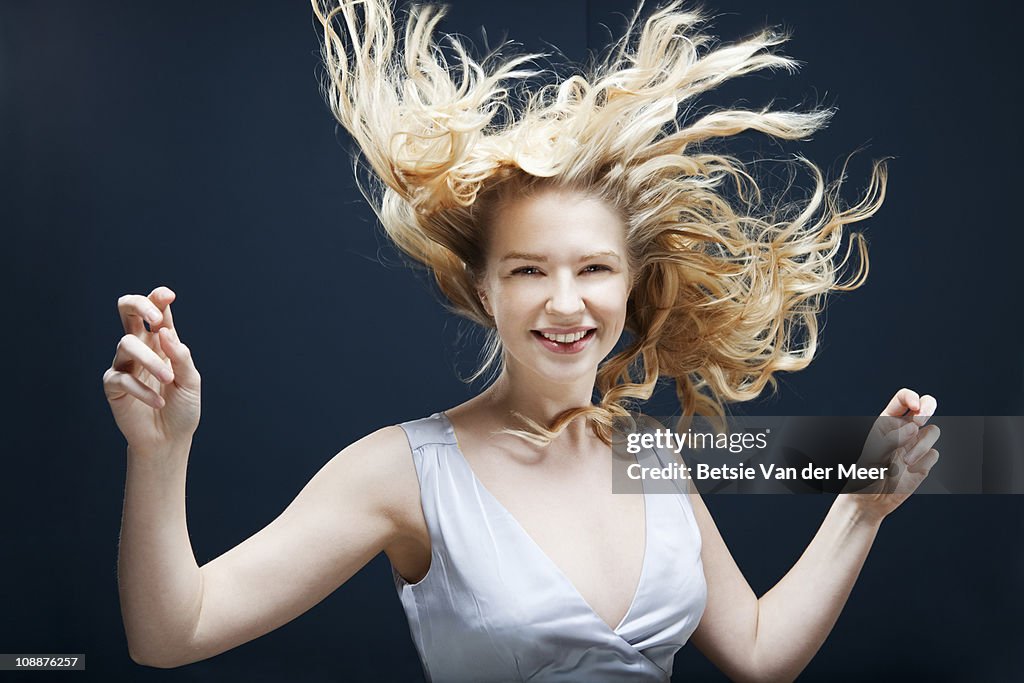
<point>524,256</point>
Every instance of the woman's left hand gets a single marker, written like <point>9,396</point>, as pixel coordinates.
<point>901,440</point>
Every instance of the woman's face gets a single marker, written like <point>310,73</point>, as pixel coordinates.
<point>557,282</point>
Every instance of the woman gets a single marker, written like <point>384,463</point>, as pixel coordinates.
<point>558,228</point>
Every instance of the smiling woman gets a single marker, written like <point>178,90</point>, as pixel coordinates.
<point>700,247</point>
<point>590,211</point>
<point>556,284</point>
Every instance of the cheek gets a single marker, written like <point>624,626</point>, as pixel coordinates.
<point>613,297</point>
<point>615,313</point>
<point>509,304</point>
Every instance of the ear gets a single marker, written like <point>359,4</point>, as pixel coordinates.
<point>482,293</point>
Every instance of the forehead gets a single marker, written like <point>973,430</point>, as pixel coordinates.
<point>554,220</point>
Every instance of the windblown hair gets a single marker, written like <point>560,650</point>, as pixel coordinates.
<point>725,289</point>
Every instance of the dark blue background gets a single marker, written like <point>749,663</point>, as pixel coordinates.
<point>187,144</point>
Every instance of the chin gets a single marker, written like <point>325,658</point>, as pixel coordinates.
<point>570,379</point>
<point>568,372</point>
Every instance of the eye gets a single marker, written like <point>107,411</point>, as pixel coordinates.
<point>596,268</point>
<point>526,270</point>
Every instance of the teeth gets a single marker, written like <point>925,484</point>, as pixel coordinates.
<point>565,338</point>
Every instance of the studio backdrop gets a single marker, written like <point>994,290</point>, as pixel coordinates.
<point>188,144</point>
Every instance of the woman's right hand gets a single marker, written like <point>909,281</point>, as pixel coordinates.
<point>152,385</point>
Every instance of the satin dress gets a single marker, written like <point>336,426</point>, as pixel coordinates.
<point>494,607</point>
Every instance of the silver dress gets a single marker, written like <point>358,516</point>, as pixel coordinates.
<point>494,607</point>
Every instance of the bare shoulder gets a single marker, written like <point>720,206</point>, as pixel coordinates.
<point>356,506</point>
<point>381,464</point>
<point>387,453</point>
<point>382,451</point>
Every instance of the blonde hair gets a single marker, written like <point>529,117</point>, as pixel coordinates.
<point>725,290</point>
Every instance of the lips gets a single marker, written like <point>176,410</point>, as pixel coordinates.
<point>563,330</point>
<point>562,347</point>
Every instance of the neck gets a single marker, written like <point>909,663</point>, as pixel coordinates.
<point>519,390</point>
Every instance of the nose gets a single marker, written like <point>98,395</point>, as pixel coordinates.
<point>565,299</point>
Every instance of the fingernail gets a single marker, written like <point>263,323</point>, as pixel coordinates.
<point>153,316</point>
<point>166,375</point>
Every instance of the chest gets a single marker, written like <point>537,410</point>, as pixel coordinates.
<point>546,574</point>
<point>596,539</point>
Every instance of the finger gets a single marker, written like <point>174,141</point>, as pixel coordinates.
<point>187,376</point>
<point>133,309</point>
<point>118,385</point>
<point>925,440</point>
<point>893,473</point>
<point>168,319</point>
<point>132,352</point>
<point>168,323</point>
<point>904,400</point>
<point>928,407</point>
<point>901,437</point>
<point>925,464</point>
<point>157,349</point>
<point>889,427</point>
<point>161,297</point>
<point>884,444</point>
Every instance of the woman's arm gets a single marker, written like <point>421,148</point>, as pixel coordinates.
<point>358,504</point>
<point>157,576</point>
<point>773,638</point>
<point>176,613</point>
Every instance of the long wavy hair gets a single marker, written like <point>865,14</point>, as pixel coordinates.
<point>726,285</point>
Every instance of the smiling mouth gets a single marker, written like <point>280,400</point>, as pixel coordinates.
<point>566,337</point>
<point>569,342</point>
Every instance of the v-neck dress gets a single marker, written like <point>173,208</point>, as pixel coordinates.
<point>494,607</point>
